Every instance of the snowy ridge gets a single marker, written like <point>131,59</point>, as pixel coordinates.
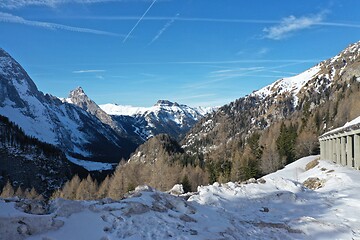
<point>164,117</point>
<point>127,110</point>
<point>123,110</point>
<point>328,69</point>
<point>292,85</point>
<point>276,207</point>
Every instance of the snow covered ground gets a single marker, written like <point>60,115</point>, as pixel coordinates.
<point>91,165</point>
<point>278,208</point>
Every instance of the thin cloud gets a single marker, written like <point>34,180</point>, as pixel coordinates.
<point>253,52</point>
<point>137,23</point>
<point>196,96</point>
<point>237,74</point>
<point>230,62</point>
<point>219,20</point>
<point>166,26</point>
<point>89,71</point>
<point>292,24</point>
<point>262,51</point>
<point>9,18</point>
<point>186,19</point>
<point>13,4</point>
<point>235,70</point>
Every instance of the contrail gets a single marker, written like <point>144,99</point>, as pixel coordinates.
<point>137,23</point>
<point>166,26</point>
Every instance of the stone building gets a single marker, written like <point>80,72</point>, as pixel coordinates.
<point>342,145</point>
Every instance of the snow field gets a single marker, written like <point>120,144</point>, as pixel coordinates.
<point>278,207</point>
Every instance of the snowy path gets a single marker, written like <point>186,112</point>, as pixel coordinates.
<point>280,208</point>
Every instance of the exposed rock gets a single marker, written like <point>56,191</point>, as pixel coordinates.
<point>23,228</point>
<point>264,209</point>
<point>36,207</point>
<point>261,181</point>
<point>176,190</point>
<point>313,183</point>
<point>187,218</point>
<point>311,164</point>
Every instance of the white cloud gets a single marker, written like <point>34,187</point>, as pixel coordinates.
<point>9,18</point>
<point>292,24</point>
<point>89,71</point>
<point>12,4</point>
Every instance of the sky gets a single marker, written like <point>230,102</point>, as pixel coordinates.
<point>194,52</point>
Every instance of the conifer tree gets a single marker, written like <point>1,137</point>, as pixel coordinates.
<point>87,189</point>
<point>7,191</point>
<point>70,188</point>
<point>20,193</point>
<point>103,190</point>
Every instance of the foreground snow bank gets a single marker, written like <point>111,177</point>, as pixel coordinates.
<point>277,207</point>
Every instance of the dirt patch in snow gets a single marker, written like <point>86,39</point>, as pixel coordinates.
<point>312,164</point>
<point>313,183</point>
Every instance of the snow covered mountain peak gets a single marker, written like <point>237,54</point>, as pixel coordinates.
<point>329,70</point>
<point>79,98</point>
<point>52,121</point>
<point>79,91</point>
<point>13,74</point>
<point>291,85</point>
<point>166,103</point>
<point>163,117</point>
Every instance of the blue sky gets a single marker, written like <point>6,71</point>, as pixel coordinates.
<point>196,52</point>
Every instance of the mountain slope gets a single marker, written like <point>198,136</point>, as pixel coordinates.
<point>46,118</point>
<point>164,117</point>
<point>160,146</point>
<point>321,98</point>
<point>26,162</point>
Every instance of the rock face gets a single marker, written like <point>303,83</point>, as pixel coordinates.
<point>80,99</point>
<point>69,127</point>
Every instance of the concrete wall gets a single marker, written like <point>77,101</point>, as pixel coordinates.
<point>342,148</point>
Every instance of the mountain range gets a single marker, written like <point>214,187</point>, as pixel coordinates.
<point>82,131</point>
<point>251,136</point>
<point>164,117</point>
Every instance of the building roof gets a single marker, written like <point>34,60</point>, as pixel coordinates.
<point>348,127</point>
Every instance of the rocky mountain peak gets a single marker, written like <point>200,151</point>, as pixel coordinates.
<point>78,96</point>
<point>11,73</point>
<point>166,103</point>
